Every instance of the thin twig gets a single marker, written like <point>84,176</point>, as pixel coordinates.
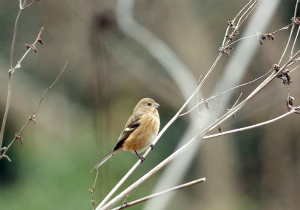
<point>14,39</point>
<point>252,36</point>
<point>295,40</point>
<point>57,78</point>
<point>32,118</point>
<point>237,100</point>
<point>126,205</point>
<point>93,190</point>
<point>291,33</point>
<point>233,21</point>
<point>249,127</point>
<point>247,13</point>
<point>294,68</point>
<point>219,94</point>
<point>10,72</point>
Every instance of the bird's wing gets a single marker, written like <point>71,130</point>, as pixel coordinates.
<point>132,124</point>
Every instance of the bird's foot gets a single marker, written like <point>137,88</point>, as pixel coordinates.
<point>142,159</point>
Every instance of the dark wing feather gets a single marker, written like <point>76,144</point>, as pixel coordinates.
<point>131,125</point>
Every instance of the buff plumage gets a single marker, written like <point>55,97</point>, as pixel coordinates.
<point>140,130</point>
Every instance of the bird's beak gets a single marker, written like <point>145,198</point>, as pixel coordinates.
<point>156,105</point>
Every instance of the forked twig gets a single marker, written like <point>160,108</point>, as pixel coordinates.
<point>290,36</point>
<point>32,118</point>
<point>10,72</point>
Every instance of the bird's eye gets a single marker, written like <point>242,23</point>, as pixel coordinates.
<point>149,104</point>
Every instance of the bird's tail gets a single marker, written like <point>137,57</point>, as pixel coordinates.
<point>106,157</point>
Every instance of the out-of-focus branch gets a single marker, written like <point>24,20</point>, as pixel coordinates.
<point>10,72</point>
<point>32,118</point>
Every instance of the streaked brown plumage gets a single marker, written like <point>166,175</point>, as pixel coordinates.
<point>140,130</point>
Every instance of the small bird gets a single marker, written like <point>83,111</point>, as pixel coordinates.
<point>140,130</point>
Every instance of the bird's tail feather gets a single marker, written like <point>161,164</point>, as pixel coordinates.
<point>106,157</point>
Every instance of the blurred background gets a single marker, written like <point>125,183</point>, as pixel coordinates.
<point>82,116</point>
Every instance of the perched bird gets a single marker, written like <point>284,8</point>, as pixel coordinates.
<point>140,130</point>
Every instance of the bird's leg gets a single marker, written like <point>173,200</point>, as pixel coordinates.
<point>152,146</point>
<point>140,157</point>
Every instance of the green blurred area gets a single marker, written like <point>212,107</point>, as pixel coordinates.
<point>82,116</point>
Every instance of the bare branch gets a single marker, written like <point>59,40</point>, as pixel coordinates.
<point>290,36</point>
<point>10,72</point>
<point>92,191</point>
<point>219,94</point>
<point>249,127</point>
<point>295,40</point>
<point>32,117</point>
<point>126,205</point>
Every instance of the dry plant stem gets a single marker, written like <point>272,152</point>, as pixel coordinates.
<point>247,13</point>
<point>93,190</point>
<point>6,111</point>
<point>14,39</point>
<point>294,68</point>
<point>219,94</point>
<point>9,78</point>
<point>237,100</point>
<point>57,78</point>
<point>126,205</point>
<point>10,72</point>
<point>33,114</point>
<point>290,37</point>
<point>242,18</point>
<point>295,40</point>
<point>159,135</point>
<point>22,7</point>
<point>226,33</point>
<point>199,136</point>
<point>247,37</point>
<point>250,127</point>
<point>295,14</point>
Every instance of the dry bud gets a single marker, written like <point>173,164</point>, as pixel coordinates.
<point>276,67</point>
<point>220,128</point>
<point>40,41</point>
<point>19,137</point>
<point>33,119</point>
